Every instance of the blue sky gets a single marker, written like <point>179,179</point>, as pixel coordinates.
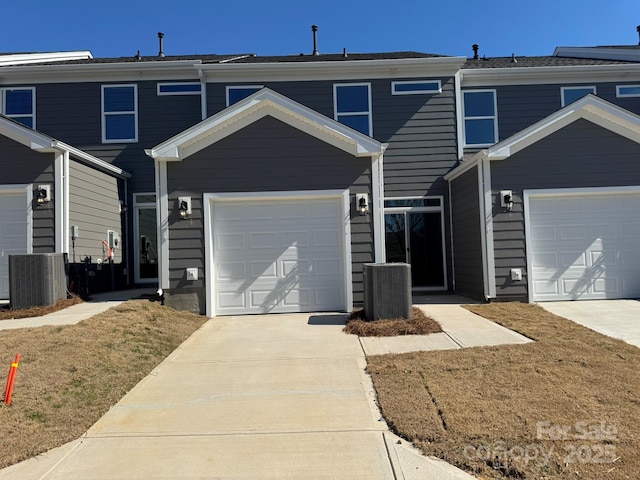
<point>115,28</point>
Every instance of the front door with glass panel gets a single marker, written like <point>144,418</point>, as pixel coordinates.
<point>146,244</point>
<point>414,234</point>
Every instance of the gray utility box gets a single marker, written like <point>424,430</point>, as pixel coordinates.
<point>387,290</point>
<point>36,280</point>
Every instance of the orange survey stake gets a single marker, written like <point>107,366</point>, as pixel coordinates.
<point>8,392</point>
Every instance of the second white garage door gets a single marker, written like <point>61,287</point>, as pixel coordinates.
<point>13,233</point>
<point>278,256</point>
<point>584,246</point>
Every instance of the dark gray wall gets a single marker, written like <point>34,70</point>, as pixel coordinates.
<point>265,156</point>
<point>520,106</point>
<point>579,155</point>
<point>25,166</point>
<point>467,248</point>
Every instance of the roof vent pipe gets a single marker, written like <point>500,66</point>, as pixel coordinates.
<point>638,30</point>
<point>475,48</point>
<point>314,29</point>
<point>160,40</point>
<point>344,52</point>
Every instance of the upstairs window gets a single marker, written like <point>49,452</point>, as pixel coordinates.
<point>628,91</point>
<point>352,106</point>
<point>237,93</point>
<point>416,87</point>
<point>480,118</point>
<point>119,113</point>
<point>179,89</point>
<point>571,94</point>
<point>19,105</point>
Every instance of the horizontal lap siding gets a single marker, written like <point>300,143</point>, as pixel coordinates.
<point>580,155</point>
<point>265,156</point>
<point>467,243</point>
<point>25,166</point>
<point>520,106</point>
<point>94,208</point>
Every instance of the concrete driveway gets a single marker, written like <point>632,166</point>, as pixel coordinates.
<point>271,397</point>
<point>615,318</point>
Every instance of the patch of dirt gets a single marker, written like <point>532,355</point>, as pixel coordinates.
<point>8,313</point>
<point>69,376</point>
<point>418,324</point>
<point>564,407</point>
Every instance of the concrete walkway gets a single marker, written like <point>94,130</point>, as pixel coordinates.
<point>274,396</point>
<point>615,318</point>
<point>271,396</point>
<point>461,329</point>
<point>100,302</point>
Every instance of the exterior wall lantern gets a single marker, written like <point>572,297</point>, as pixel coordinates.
<point>506,199</point>
<point>362,203</point>
<point>184,206</point>
<point>43,194</point>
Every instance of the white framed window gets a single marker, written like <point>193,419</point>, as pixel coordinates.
<point>352,106</point>
<point>19,104</point>
<point>480,110</point>
<point>119,113</point>
<point>184,88</point>
<point>571,94</point>
<point>628,91</point>
<point>235,93</point>
<point>415,87</point>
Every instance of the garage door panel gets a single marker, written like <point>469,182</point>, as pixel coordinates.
<point>595,237</point>
<point>13,233</point>
<point>292,252</point>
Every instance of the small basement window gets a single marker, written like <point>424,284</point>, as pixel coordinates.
<point>416,87</point>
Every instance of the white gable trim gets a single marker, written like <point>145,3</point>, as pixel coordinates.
<point>260,104</point>
<point>590,107</point>
<point>43,143</point>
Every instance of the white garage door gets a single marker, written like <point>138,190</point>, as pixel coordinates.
<point>585,246</point>
<point>13,233</point>
<point>278,256</point>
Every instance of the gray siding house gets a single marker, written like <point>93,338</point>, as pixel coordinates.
<point>263,184</point>
<point>49,187</point>
<point>559,208</point>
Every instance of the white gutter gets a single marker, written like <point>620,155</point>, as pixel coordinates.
<point>483,77</point>
<point>27,58</point>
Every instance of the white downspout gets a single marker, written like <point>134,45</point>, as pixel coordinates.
<point>203,94</point>
<point>59,201</point>
<point>66,220</point>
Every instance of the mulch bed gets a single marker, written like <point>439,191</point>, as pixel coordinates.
<point>418,324</point>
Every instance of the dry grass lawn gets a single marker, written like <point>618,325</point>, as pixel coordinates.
<point>70,376</point>
<point>418,324</point>
<point>564,407</point>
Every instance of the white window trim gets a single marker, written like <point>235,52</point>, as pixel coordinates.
<point>416,92</point>
<point>134,112</point>
<point>431,209</point>
<point>578,87</point>
<point>210,198</point>
<point>626,95</point>
<point>170,84</point>
<point>369,112</point>
<point>494,117</point>
<point>234,87</point>
<point>3,103</point>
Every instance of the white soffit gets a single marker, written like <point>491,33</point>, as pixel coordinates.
<point>260,104</point>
